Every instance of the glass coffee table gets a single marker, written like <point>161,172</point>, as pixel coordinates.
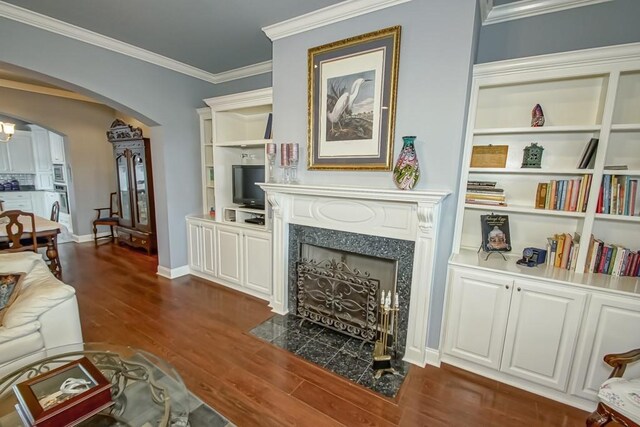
<point>147,391</point>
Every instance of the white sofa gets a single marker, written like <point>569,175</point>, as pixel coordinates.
<point>43,316</point>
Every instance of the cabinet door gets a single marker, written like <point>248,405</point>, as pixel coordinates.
<point>257,261</point>
<point>477,316</point>
<point>44,181</point>
<point>612,325</point>
<point>209,249</point>
<point>194,234</point>
<point>42,150</point>
<point>124,195</point>
<point>57,147</point>
<point>21,158</point>
<point>140,191</point>
<point>4,159</point>
<point>542,333</point>
<point>229,254</point>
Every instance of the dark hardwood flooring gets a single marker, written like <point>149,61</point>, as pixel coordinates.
<point>202,329</point>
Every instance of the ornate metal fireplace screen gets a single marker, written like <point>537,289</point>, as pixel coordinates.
<point>336,296</point>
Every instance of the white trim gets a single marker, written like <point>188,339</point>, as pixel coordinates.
<point>44,90</point>
<point>485,8</point>
<point>326,16</point>
<point>172,273</point>
<point>528,8</point>
<point>84,238</point>
<point>241,100</point>
<point>53,25</point>
<point>433,357</point>
<point>564,60</point>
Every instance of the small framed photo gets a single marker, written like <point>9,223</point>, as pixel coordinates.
<point>495,233</point>
<point>63,396</point>
<point>352,101</point>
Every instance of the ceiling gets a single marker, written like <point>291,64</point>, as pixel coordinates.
<point>212,35</point>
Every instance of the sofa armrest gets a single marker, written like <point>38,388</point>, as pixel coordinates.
<point>35,300</point>
<point>61,324</point>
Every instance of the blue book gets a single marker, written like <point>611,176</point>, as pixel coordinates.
<point>607,260</point>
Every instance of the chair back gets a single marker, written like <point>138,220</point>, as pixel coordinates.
<point>55,211</point>
<point>15,231</point>
<point>114,206</point>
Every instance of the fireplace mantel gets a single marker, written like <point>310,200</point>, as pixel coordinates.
<point>407,215</point>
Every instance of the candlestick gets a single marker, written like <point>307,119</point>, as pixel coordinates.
<point>293,163</point>
<point>396,302</point>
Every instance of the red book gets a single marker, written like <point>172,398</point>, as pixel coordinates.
<point>632,196</point>
<point>603,258</point>
<point>600,197</point>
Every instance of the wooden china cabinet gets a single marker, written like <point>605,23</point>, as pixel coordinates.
<point>136,226</point>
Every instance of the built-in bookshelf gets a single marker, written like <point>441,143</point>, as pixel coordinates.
<point>593,99</point>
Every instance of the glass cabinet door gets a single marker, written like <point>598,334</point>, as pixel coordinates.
<point>141,210</point>
<point>123,189</point>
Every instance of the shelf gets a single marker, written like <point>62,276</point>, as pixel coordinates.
<point>524,209</point>
<point>470,258</point>
<point>625,218</point>
<point>629,172</point>
<point>208,165</point>
<point>531,171</point>
<point>625,127</point>
<point>535,130</point>
<point>208,144</point>
<point>244,143</point>
<point>248,210</point>
<point>211,186</point>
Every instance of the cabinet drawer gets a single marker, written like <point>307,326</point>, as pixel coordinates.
<point>9,205</point>
<point>8,195</point>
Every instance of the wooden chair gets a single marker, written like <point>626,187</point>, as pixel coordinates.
<point>43,241</point>
<point>15,231</point>
<point>111,220</point>
<point>619,398</point>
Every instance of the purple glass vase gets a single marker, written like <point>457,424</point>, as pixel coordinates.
<point>407,170</point>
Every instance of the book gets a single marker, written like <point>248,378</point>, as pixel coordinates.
<point>617,167</point>
<point>495,233</point>
<point>482,183</point>
<point>588,154</point>
<point>566,251</point>
<point>267,131</point>
<point>559,250</point>
<point>541,195</point>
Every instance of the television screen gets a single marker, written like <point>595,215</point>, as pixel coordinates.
<point>245,190</point>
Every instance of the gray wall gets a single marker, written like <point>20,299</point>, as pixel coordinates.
<point>436,56</point>
<point>598,25</point>
<point>163,99</point>
<point>83,125</point>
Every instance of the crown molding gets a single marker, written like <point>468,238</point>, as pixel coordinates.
<point>43,90</point>
<point>53,25</point>
<point>527,8</point>
<point>241,100</point>
<point>329,15</point>
<point>562,60</point>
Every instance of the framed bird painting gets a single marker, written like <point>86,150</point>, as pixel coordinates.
<point>352,102</point>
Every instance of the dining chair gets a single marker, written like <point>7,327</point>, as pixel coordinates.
<point>111,220</point>
<point>43,241</point>
<point>15,231</point>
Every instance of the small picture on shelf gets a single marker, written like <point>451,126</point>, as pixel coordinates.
<point>489,156</point>
<point>588,154</point>
<point>267,131</point>
<point>495,233</point>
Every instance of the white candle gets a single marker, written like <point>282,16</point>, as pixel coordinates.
<point>396,303</point>
<point>382,299</point>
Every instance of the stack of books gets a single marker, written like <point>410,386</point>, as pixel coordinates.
<point>617,195</point>
<point>562,250</point>
<point>485,193</point>
<point>564,195</point>
<point>611,259</point>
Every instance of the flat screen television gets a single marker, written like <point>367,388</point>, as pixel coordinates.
<point>245,190</point>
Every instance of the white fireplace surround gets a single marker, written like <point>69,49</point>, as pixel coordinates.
<point>407,215</point>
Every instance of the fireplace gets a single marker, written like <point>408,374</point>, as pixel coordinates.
<point>370,263</point>
<point>401,226</point>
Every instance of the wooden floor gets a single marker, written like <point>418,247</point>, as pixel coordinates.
<point>202,329</point>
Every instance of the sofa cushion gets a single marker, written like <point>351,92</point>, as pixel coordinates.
<point>19,261</point>
<point>10,285</point>
<point>623,396</point>
<point>41,291</point>
<point>21,347</point>
<point>8,334</point>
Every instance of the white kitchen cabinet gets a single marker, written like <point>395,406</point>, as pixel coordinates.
<point>542,331</point>
<point>209,249</point>
<point>612,325</point>
<point>57,148</point>
<point>257,261</point>
<point>20,153</point>
<point>50,197</point>
<point>17,200</point>
<point>43,181</point>
<point>477,317</point>
<point>229,256</point>
<point>42,150</point>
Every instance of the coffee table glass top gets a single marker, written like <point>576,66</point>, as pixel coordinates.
<point>147,391</point>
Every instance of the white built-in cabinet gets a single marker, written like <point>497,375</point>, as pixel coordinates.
<point>543,328</point>
<point>222,246</point>
<point>43,179</point>
<point>57,148</point>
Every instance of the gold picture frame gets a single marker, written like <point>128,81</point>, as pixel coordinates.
<point>352,87</point>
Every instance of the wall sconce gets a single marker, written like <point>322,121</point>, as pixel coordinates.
<point>6,131</point>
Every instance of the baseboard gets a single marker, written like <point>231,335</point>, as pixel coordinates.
<point>84,238</point>
<point>172,273</point>
<point>433,357</point>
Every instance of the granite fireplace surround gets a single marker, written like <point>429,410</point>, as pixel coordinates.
<point>387,223</point>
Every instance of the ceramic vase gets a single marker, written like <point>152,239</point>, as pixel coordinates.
<point>407,170</point>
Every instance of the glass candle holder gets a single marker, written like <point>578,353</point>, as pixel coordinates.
<point>284,162</point>
<point>293,163</point>
<point>271,158</point>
